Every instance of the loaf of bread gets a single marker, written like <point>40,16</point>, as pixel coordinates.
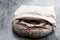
<point>34,21</point>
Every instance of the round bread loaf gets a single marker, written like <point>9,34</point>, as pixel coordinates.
<point>34,21</point>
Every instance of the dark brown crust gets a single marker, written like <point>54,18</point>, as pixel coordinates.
<point>19,32</point>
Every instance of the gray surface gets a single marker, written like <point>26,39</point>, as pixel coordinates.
<point>7,9</point>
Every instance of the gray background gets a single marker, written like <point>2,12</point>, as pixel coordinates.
<point>8,7</point>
